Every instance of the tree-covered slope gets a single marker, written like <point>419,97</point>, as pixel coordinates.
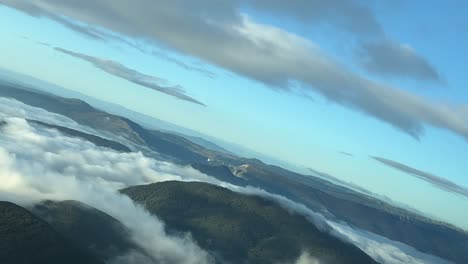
<point>87,227</point>
<point>241,228</point>
<point>27,239</point>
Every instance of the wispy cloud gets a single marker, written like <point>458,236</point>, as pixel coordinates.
<point>131,75</point>
<point>182,64</point>
<point>435,180</point>
<point>346,153</point>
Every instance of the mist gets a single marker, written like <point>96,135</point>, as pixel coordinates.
<point>39,164</point>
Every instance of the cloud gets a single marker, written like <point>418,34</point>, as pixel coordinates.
<point>346,153</point>
<point>37,11</point>
<point>435,180</point>
<point>215,32</point>
<point>14,108</point>
<point>348,15</point>
<point>381,249</point>
<point>182,64</point>
<point>390,58</point>
<point>134,76</point>
<point>37,163</point>
<point>306,258</point>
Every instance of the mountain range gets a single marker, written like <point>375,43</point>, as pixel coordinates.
<point>209,228</point>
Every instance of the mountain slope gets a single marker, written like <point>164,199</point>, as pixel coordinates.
<point>240,228</point>
<point>87,227</point>
<point>27,239</point>
<point>98,141</point>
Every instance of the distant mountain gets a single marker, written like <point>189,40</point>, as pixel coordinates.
<point>96,140</point>
<point>149,122</point>
<point>240,228</point>
<point>206,144</point>
<point>25,239</point>
<point>209,142</point>
<point>359,210</point>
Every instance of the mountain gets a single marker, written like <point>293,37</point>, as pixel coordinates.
<point>87,227</point>
<point>24,238</point>
<point>334,201</point>
<point>96,140</point>
<point>206,144</point>
<point>240,228</point>
<point>358,210</point>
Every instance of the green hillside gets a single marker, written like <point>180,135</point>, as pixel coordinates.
<point>240,228</point>
<point>87,227</point>
<point>27,239</point>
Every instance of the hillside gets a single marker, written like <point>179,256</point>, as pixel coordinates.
<point>96,140</point>
<point>27,239</point>
<point>240,228</point>
<point>87,227</point>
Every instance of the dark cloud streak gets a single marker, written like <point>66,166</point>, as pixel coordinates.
<point>121,71</point>
<point>435,180</point>
<point>346,153</point>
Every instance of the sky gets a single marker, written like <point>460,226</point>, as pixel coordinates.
<point>371,92</point>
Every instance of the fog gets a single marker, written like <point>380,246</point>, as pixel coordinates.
<point>38,164</point>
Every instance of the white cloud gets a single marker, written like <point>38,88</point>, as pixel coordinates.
<point>38,164</point>
<point>306,258</point>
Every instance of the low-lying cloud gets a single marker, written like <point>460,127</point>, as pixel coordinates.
<point>131,75</point>
<point>435,180</point>
<point>38,163</point>
<point>305,258</point>
<point>381,249</point>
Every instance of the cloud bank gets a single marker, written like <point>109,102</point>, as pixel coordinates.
<point>435,180</point>
<point>216,32</point>
<point>37,163</point>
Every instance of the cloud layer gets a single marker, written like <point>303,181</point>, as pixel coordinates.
<point>42,164</point>
<point>38,163</point>
<point>216,32</point>
<point>435,180</point>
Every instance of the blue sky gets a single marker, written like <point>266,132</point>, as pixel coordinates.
<point>308,131</point>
